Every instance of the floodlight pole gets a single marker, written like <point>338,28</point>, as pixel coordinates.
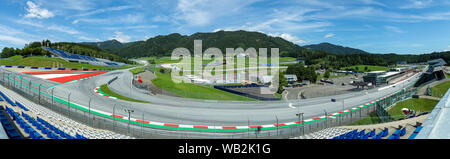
<point>277,123</point>
<point>89,107</point>
<point>129,111</point>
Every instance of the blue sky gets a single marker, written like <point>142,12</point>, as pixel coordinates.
<point>377,26</point>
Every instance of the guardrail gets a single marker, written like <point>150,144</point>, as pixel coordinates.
<point>112,80</point>
<point>226,89</point>
<point>50,68</point>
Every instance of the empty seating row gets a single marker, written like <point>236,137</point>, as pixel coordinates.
<point>52,129</point>
<point>398,133</point>
<point>58,122</point>
<point>67,55</point>
<point>24,125</point>
<point>7,99</point>
<point>11,131</point>
<point>354,134</point>
<point>416,131</point>
<point>21,106</point>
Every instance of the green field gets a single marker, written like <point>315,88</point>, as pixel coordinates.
<point>369,68</point>
<point>42,61</point>
<point>167,59</point>
<point>137,70</point>
<point>372,119</point>
<point>440,89</point>
<point>104,88</point>
<point>189,90</point>
<point>417,104</point>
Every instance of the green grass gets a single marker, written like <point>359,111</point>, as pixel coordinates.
<point>104,88</point>
<point>440,89</point>
<point>278,95</point>
<point>372,119</point>
<point>167,59</point>
<point>42,61</point>
<point>369,67</point>
<point>137,70</point>
<point>189,90</point>
<point>331,75</point>
<point>417,104</point>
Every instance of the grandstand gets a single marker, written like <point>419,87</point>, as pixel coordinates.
<point>82,59</point>
<point>402,129</point>
<point>25,119</point>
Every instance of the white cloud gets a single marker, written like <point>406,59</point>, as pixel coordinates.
<point>373,2</point>
<point>126,19</point>
<point>284,21</point>
<point>121,37</point>
<point>393,29</point>
<point>14,36</point>
<point>14,40</point>
<point>81,5</point>
<point>63,29</point>
<point>288,37</point>
<point>329,35</point>
<point>54,27</point>
<point>132,27</point>
<point>35,12</point>
<point>448,48</point>
<point>416,4</point>
<point>89,39</point>
<point>102,10</point>
<point>203,12</point>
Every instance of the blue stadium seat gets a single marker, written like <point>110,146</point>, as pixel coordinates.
<point>385,132</point>
<point>403,132</point>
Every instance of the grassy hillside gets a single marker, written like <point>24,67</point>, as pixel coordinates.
<point>369,68</point>
<point>42,61</point>
<point>189,90</point>
<point>440,89</point>
<point>104,89</point>
<point>418,104</point>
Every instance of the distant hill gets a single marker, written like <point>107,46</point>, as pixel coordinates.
<point>109,45</point>
<point>163,45</point>
<point>335,49</point>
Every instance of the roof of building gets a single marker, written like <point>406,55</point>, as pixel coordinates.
<point>390,74</point>
<point>376,71</point>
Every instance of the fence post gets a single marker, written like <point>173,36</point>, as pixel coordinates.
<point>68,104</point>
<point>40,94</point>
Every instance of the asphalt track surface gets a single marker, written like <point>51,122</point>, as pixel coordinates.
<point>165,109</point>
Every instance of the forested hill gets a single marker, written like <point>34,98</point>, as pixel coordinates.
<point>335,49</point>
<point>163,45</point>
<point>109,45</point>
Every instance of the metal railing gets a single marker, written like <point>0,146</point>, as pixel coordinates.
<point>36,94</point>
